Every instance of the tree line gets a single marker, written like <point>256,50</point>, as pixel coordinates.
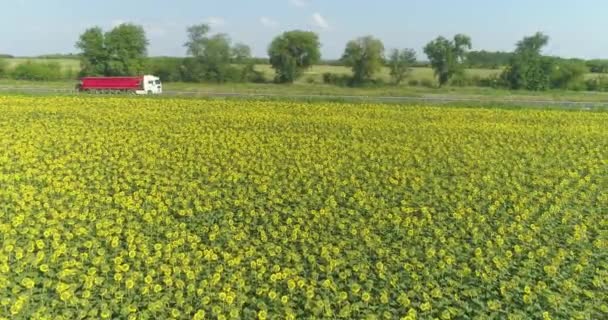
<point>214,57</point>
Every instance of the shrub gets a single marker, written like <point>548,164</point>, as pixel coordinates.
<point>428,83</point>
<point>597,84</point>
<point>336,79</point>
<point>492,81</point>
<point>38,71</point>
<point>167,69</point>
<point>413,83</point>
<point>568,75</point>
<point>461,80</point>
<point>3,68</point>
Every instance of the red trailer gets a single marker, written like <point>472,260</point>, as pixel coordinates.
<point>137,85</point>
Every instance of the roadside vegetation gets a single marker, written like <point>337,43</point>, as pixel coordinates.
<point>294,57</point>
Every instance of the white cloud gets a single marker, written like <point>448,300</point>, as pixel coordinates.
<point>299,3</point>
<point>319,21</point>
<point>215,21</point>
<point>267,22</point>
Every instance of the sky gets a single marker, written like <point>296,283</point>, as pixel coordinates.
<point>577,28</point>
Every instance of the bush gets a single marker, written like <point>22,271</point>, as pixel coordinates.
<point>428,83</point>
<point>336,79</point>
<point>38,71</point>
<point>461,80</point>
<point>311,80</point>
<point>256,77</point>
<point>492,81</point>
<point>3,68</point>
<point>597,84</point>
<point>167,69</point>
<point>413,83</point>
<point>568,75</point>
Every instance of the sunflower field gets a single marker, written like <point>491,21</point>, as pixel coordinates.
<point>137,208</point>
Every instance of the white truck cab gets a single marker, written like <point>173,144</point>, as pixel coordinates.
<point>151,85</point>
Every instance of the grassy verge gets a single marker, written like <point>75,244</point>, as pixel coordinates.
<point>306,89</point>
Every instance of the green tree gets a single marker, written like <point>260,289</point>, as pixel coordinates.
<point>126,47</point>
<point>365,56</point>
<point>214,56</point>
<point>293,52</point>
<point>3,68</point>
<point>94,56</point>
<point>568,74</point>
<point>528,69</point>
<point>447,57</point>
<point>241,53</point>
<point>197,35</point>
<point>400,62</point>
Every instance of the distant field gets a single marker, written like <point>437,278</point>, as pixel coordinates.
<point>419,74</point>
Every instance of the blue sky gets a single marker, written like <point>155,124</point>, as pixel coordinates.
<point>577,28</point>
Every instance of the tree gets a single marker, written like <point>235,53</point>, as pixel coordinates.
<point>568,74</point>
<point>119,52</point>
<point>293,52</point>
<point>400,62</point>
<point>528,69</point>
<point>365,56</point>
<point>447,57</point>
<point>197,35</point>
<point>126,47</point>
<point>94,56</point>
<point>241,53</point>
<point>213,56</point>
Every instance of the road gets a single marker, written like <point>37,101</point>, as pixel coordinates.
<point>427,99</point>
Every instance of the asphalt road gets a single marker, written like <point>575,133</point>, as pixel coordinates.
<point>428,99</point>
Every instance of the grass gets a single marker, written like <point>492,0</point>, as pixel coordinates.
<point>328,92</point>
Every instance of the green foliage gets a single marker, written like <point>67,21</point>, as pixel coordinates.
<point>568,74</point>
<point>365,56</point>
<point>400,63</point>
<point>126,47</point>
<point>528,69</point>
<point>487,59</point>
<point>166,68</point>
<point>597,84</point>
<point>336,79</point>
<point>597,66</point>
<point>427,83</point>
<point>37,71</point>
<point>119,52</point>
<point>214,57</point>
<point>293,52</point>
<point>3,68</point>
<point>94,56</point>
<point>447,57</point>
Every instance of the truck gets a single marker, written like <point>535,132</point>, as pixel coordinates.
<point>147,84</point>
